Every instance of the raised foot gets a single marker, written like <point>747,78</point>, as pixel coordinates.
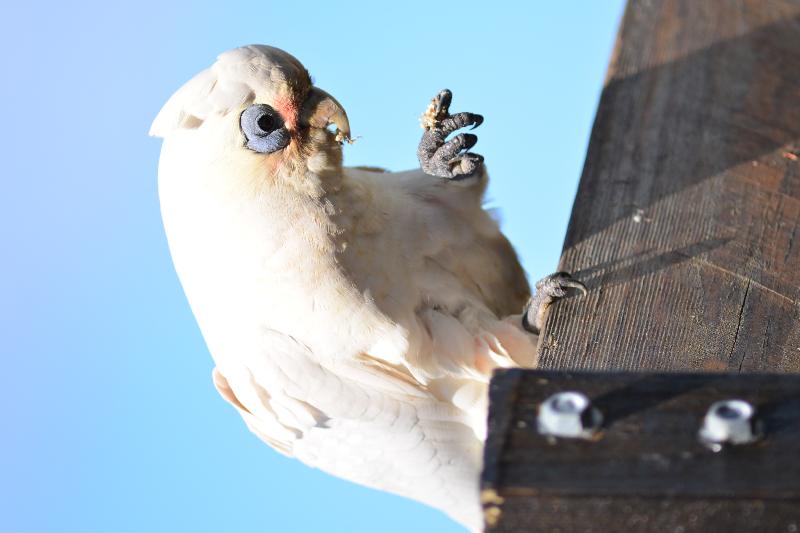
<point>548,290</point>
<point>440,157</point>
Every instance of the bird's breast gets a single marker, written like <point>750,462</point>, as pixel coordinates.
<point>269,262</point>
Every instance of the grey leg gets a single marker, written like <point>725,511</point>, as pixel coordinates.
<point>448,159</point>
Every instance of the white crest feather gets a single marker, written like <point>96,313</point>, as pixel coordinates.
<point>236,79</point>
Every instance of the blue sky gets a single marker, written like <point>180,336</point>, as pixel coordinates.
<point>110,421</point>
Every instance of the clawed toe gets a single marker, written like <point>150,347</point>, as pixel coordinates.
<point>440,157</point>
<point>548,290</point>
<point>442,102</point>
<point>558,282</point>
<point>460,120</point>
<point>465,165</point>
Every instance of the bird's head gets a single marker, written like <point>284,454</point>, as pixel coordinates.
<point>255,110</point>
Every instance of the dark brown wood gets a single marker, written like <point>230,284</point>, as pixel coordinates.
<point>647,470</point>
<point>686,230</point>
<point>631,515</point>
<point>686,224</point>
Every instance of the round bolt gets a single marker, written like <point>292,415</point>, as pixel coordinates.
<point>568,415</point>
<point>729,422</point>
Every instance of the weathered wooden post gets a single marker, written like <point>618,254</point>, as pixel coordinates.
<point>686,229</point>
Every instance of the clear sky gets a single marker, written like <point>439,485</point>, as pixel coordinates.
<point>109,418</point>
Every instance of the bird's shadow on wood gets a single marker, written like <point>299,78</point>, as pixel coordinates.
<point>713,108</point>
<point>644,263</point>
<point>780,416</point>
<point>644,394</point>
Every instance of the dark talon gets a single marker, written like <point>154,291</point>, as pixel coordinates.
<point>459,120</point>
<point>575,284</point>
<point>548,290</point>
<point>564,279</point>
<point>440,157</point>
<point>462,141</point>
<point>443,100</point>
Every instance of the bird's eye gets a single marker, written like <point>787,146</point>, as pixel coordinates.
<point>266,122</point>
<point>263,128</point>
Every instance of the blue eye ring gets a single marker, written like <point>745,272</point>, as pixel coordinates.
<point>263,129</point>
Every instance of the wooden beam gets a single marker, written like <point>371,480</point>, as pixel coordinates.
<point>646,469</point>
<point>686,224</point>
<point>686,230</point>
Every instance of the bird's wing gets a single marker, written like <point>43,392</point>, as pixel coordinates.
<point>361,420</point>
<point>471,246</point>
<point>447,226</point>
<point>437,264</point>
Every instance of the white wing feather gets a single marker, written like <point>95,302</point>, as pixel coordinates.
<point>368,424</point>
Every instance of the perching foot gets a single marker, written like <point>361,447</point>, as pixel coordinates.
<point>448,159</point>
<point>548,290</point>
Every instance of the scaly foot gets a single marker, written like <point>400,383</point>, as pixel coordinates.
<point>548,290</point>
<point>448,159</point>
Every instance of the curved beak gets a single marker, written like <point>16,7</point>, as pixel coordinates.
<point>321,109</point>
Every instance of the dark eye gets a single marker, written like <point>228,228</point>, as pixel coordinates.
<point>266,122</point>
<point>263,128</point>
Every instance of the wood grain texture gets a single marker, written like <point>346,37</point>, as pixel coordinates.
<point>686,230</point>
<point>647,469</point>
<point>635,515</point>
<point>686,224</point>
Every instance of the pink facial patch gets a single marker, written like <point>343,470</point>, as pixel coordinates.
<point>288,109</point>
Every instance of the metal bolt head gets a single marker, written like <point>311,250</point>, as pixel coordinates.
<point>568,415</point>
<point>729,422</point>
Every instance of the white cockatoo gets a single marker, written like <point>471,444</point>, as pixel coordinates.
<point>354,315</point>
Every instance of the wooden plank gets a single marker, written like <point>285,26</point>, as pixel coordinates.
<point>686,224</point>
<point>647,469</point>
<point>686,230</point>
<point>604,515</point>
